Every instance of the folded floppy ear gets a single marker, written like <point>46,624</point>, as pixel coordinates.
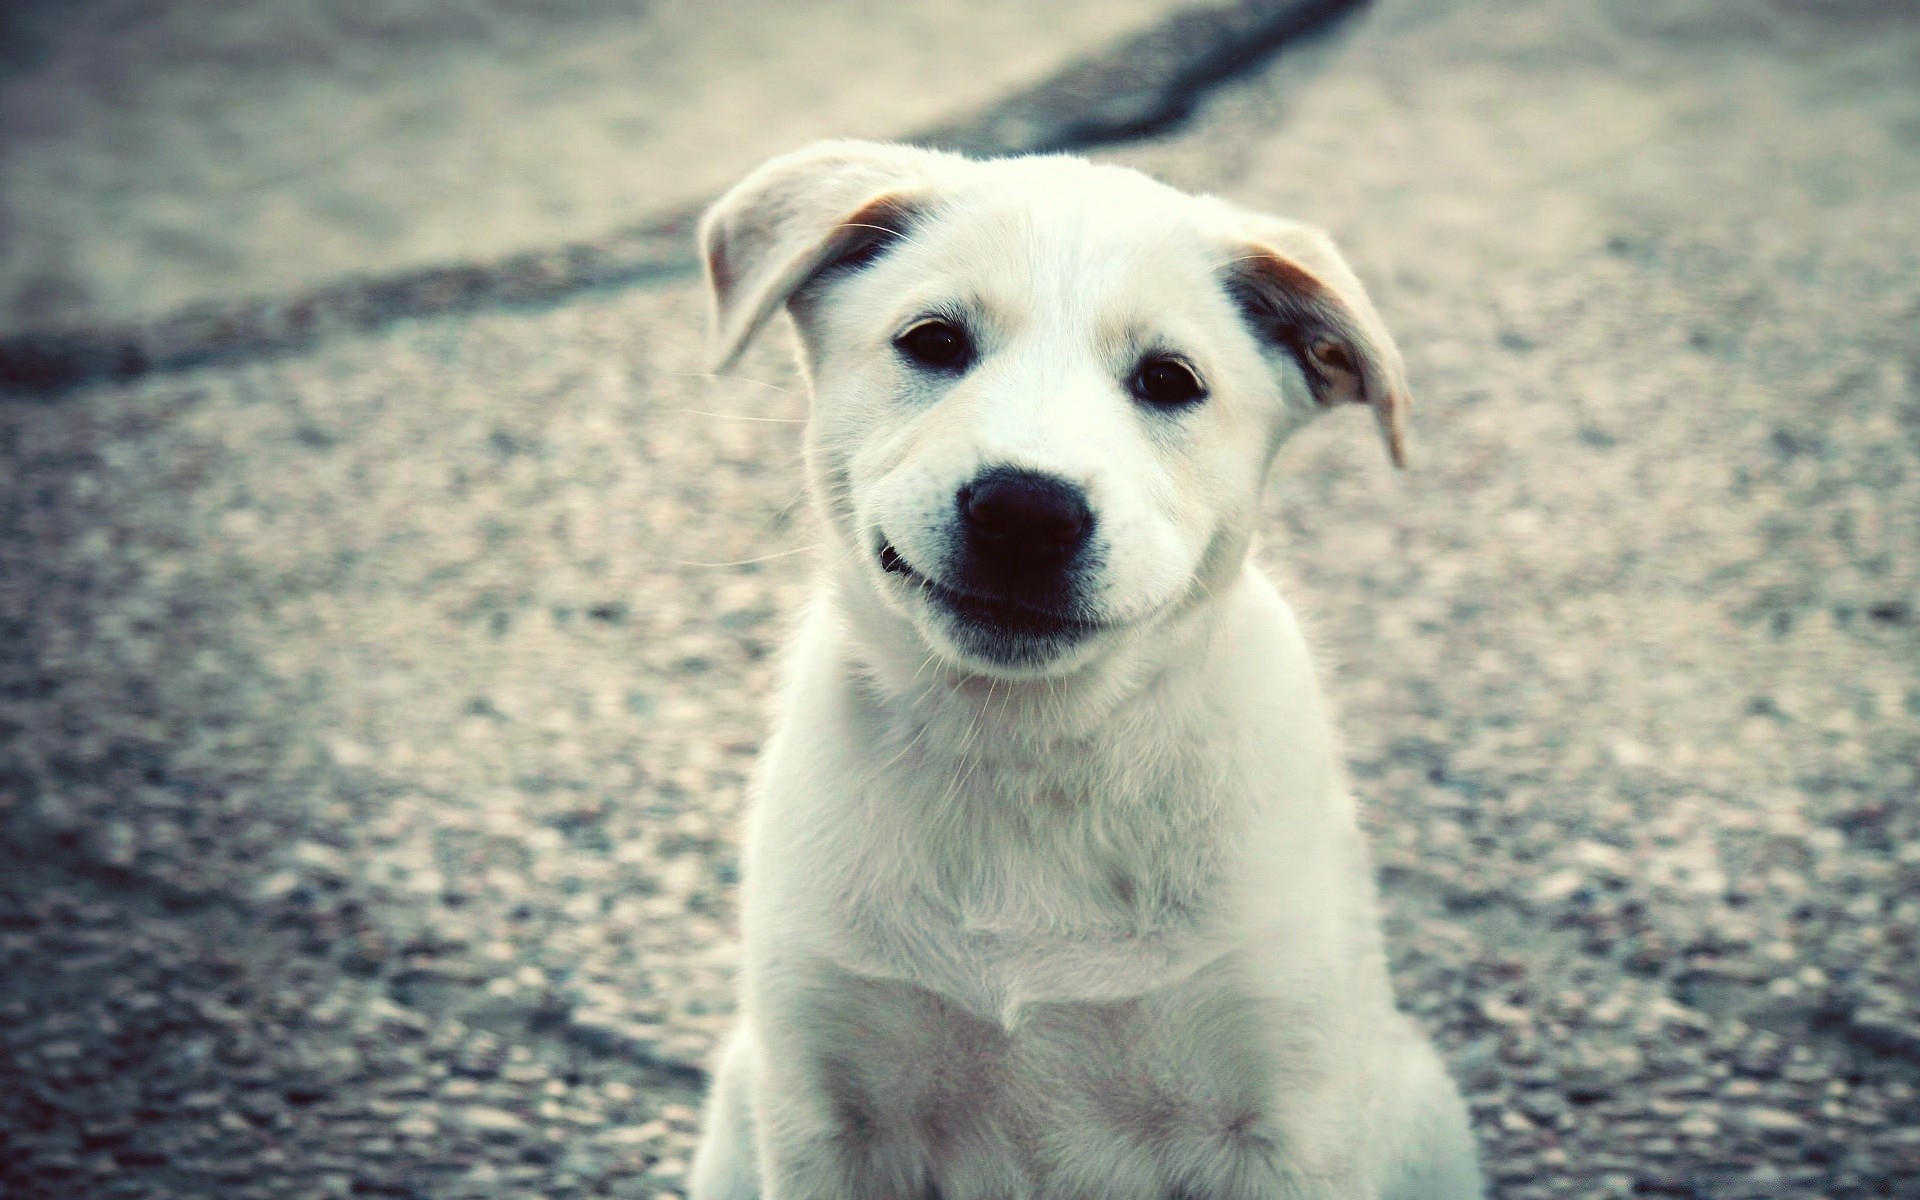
<point>798,214</point>
<point>1301,293</point>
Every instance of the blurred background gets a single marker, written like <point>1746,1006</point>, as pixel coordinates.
<point>389,598</point>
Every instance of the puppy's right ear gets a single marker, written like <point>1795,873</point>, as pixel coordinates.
<point>1299,289</point>
<point>798,214</point>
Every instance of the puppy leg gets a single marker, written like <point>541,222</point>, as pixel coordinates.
<point>1428,1149</point>
<point>724,1166</point>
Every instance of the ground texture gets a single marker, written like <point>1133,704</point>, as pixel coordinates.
<point>160,153</point>
<point>375,721</point>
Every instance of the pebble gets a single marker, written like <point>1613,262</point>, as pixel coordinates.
<point>492,1121</point>
<point>1774,1123</point>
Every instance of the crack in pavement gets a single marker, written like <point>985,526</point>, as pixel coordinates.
<point>1146,85</point>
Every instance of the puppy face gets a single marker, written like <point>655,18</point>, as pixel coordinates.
<point>1036,414</point>
<point>1046,393</point>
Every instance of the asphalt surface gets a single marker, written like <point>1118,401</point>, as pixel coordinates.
<point>159,153</point>
<point>375,720</point>
<point>387,253</point>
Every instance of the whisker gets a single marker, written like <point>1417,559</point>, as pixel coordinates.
<point>923,666</point>
<point>715,375</point>
<point>743,562</point>
<point>899,233</point>
<point>908,748</point>
<point>1234,262</point>
<point>701,412</point>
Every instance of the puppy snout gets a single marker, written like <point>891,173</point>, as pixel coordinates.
<point>1024,520</point>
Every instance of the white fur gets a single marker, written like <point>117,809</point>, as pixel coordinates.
<point>1094,919</point>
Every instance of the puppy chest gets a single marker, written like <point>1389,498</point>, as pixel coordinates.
<point>1029,941</point>
<point>1154,1097</point>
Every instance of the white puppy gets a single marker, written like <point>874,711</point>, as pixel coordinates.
<point>1053,883</point>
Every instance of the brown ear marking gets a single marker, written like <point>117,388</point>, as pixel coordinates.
<point>1333,334</point>
<point>719,271</point>
<point>757,263</point>
<point>886,214</point>
<point>866,233</point>
<point>1290,275</point>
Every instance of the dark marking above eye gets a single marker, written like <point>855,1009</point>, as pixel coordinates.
<point>937,343</point>
<point>861,253</point>
<point>867,234</point>
<point>1166,383</point>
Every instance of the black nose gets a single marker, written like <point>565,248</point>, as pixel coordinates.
<point>1021,519</point>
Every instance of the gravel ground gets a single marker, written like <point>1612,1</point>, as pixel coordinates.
<point>374,723</point>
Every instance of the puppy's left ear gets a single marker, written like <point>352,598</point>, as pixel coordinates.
<point>1300,292</point>
<point>797,215</point>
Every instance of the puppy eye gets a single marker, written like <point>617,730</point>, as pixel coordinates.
<point>1167,383</point>
<point>936,344</point>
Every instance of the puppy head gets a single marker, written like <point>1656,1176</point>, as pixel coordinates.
<point>1046,394</point>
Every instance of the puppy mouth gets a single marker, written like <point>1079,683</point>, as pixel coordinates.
<point>1003,615</point>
